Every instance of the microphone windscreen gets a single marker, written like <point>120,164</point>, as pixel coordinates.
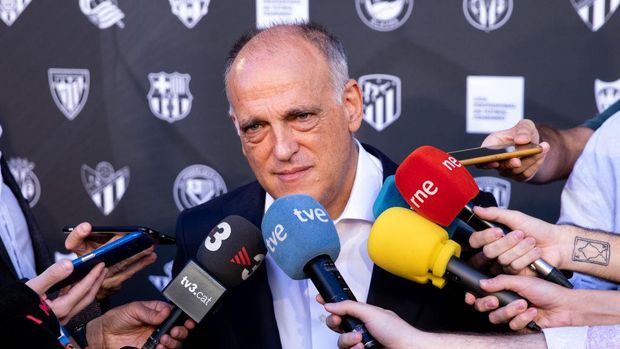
<point>406,244</point>
<point>388,197</point>
<point>435,184</point>
<point>296,229</point>
<point>232,250</point>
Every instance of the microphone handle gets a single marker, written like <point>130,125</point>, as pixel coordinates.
<point>542,267</point>
<point>469,277</point>
<point>163,328</point>
<point>332,287</point>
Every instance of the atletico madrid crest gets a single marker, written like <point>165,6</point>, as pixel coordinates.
<point>169,97</point>
<point>105,186</point>
<point>381,99</point>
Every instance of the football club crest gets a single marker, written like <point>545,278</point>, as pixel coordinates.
<point>384,15</point>
<point>103,13</point>
<point>22,171</point>
<point>161,281</point>
<point>105,186</point>
<point>595,13</point>
<point>11,9</point>
<point>189,11</point>
<point>197,184</point>
<point>382,99</point>
<point>606,93</point>
<point>169,96</point>
<point>499,187</point>
<point>487,15</point>
<point>69,88</point>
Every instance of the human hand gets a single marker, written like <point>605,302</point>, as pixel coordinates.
<point>131,325</point>
<point>71,299</point>
<point>525,168</point>
<point>384,325</point>
<point>78,241</point>
<point>550,307</point>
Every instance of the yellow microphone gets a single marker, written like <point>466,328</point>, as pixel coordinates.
<point>408,245</point>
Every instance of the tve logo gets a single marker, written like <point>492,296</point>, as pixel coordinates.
<point>277,235</point>
<point>310,214</point>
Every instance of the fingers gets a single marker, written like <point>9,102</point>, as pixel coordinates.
<point>333,322</point>
<point>149,312</point>
<point>495,214</point>
<point>320,299</point>
<point>124,270</point>
<point>80,294</point>
<point>350,340</point>
<point>520,321</point>
<point>51,276</point>
<point>75,240</point>
<point>507,313</point>
<point>525,132</point>
<point>486,304</point>
<point>506,282</point>
<point>482,238</point>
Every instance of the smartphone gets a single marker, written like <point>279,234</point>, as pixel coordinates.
<point>103,233</point>
<point>110,254</point>
<point>483,155</point>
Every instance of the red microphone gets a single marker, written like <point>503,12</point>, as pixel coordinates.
<point>438,187</point>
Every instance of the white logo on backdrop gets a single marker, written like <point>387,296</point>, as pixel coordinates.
<point>494,103</point>
<point>22,171</point>
<point>487,15</point>
<point>382,99</point>
<point>270,12</point>
<point>384,15</point>
<point>169,96</point>
<point>595,13</point>
<point>103,13</point>
<point>161,281</point>
<point>195,185</point>
<point>11,9</point>
<point>69,88</point>
<point>189,11</point>
<point>59,256</point>
<point>606,93</point>
<point>105,186</point>
<point>499,187</point>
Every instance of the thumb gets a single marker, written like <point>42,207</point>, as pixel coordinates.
<point>361,311</point>
<point>509,218</point>
<point>150,312</point>
<point>505,282</point>
<point>52,275</point>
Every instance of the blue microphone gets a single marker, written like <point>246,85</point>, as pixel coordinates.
<point>303,241</point>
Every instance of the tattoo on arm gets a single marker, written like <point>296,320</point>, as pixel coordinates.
<point>591,251</point>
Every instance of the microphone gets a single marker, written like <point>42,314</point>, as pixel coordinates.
<point>426,255</point>
<point>230,253</point>
<point>303,241</point>
<point>438,187</point>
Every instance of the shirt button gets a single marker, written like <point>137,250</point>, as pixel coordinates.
<point>322,318</point>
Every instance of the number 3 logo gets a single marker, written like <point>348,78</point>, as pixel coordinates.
<point>214,242</point>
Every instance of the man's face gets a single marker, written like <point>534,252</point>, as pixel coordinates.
<point>295,135</point>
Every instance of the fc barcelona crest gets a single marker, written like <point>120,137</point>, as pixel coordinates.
<point>189,11</point>
<point>595,13</point>
<point>105,186</point>
<point>169,97</point>
<point>606,93</point>
<point>382,99</point>
<point>69,88</point>
<point>487,15</point>
<point>11,9</point>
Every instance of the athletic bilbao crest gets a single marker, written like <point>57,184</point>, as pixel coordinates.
<point>381,94</point>
<point>606,93</point>
<point>103,13</point>
<point>487,15</point>
<point>595,13</point>
<point>22,171</point>
<point>11,9</point>
<point>169,96</point>
<point>189,11</point>
<point>197,184</point>
<point>499,187</point>
<point>105,186</point>
<point>69,88</point>
<point>384,15</point>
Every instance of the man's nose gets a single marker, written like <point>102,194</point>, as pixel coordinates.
<point>285,143</point>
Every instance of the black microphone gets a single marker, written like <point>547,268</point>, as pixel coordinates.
<point>303,241</point>
<point>230,253</point>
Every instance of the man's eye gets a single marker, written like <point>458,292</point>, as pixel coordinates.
<point>251,128</point>
<point>304,116</point>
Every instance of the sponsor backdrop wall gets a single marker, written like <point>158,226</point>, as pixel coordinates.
<point>114,112</point>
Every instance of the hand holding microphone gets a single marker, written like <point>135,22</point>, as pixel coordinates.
<point>303,241</point>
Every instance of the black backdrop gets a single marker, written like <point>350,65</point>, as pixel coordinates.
<point>433,52</point>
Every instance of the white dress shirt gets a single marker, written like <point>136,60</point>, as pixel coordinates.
<point>14,233</point>
<point>300,319</point>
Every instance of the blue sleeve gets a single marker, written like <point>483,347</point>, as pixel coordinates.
<point>596,122</point>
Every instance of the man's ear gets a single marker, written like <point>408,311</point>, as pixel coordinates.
<point>354,104</point>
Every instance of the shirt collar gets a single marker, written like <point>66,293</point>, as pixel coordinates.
<point>366,187</point>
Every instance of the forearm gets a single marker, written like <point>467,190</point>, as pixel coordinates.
<point>565,147</point>
<point>474,341</point>
<point>590,252</point>
<point>594,307</point>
